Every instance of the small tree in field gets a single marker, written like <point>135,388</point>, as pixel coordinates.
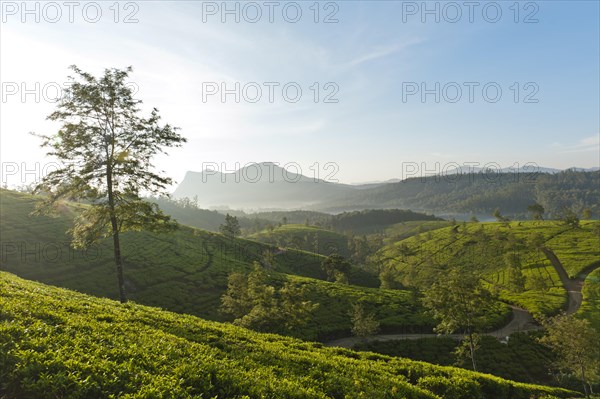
<point>231,228</point>
<point>537,211</point>
<point>569,218</point>
<point>575,343</point>
<point>337,268</point>
<point>364,324</point>
<point>499,217</point>
<point>460,303</point>
<point>106,147</point>
<point>262,307</point>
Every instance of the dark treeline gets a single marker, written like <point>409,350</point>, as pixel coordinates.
<point>481,193</point>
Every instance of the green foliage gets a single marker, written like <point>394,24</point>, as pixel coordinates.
<point>458,387</point>
<point>307,238</point>
<point>105,149</point>
<point>480,193</point>
<point>401,231</point>
<point>420,260</point>
<point>187,212</point>
<point>522,358</point>
<point>257,305</point>
<point>364,324</point>
<point>537,211</point>
<point>388,278</point>
<point>459,302</point>
<point>231,228</point>
<point>60,343</point>
<point>575,343</point>
<point>590,308</point>
<point>186,271</point>
<point>371,220</point>
<point>569,217</point>
<point>499,217</point>
<point>516,279</point>
<point>337,268</point>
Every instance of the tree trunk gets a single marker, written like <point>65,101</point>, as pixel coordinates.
<point>472,347</point>
<point>118,261</point>
<point>583,381</point>
<point>115,233</point>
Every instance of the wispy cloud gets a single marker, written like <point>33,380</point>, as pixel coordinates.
<point>591,143</point>
<point>382,51</point>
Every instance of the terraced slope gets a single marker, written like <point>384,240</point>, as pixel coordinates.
<point>421,259</point>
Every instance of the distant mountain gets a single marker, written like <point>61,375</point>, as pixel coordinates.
<point>260,186</point>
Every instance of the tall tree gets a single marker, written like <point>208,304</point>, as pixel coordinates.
<point>575,343</point>
<point>231,227</point>
<point>460,303</point>
<point>105,147</point>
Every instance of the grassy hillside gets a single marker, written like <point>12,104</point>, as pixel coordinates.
<point>590,309</point>
<point>185,271</point>
<point>59,343</point>
<point>523,359</point>
<point>308,238</point>
<point>370,221</point>
<point>404,230</point>
<point>421,259</point>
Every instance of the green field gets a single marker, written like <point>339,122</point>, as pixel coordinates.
<point>590,309</point>
<point>423,258</point>
<point>307,238</point>
<point>59,343</point>
<point>404,230</point>
<point>522,359</point>
<point>185,271</point>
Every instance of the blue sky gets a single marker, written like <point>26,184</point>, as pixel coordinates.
<point>374,53</point>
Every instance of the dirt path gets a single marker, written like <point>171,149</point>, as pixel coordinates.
<point>521,319</point>
<point>573,286</point>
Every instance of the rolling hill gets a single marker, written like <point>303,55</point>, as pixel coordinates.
<point>60,343</point>
<point>186,271</point>
<point>308,238</point>
<point>542,249</point>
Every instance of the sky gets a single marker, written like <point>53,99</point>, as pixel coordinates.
<point>347,91</point>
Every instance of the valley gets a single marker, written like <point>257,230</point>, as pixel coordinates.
<point>186,271</point>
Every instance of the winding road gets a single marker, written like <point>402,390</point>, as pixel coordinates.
<point>521,319</point>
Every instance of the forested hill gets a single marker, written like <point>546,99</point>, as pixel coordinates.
<point>481,193</point>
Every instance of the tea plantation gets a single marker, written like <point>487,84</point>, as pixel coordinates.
<point>420,259</point>
<point>57,343</point>
<point>186,271</point>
